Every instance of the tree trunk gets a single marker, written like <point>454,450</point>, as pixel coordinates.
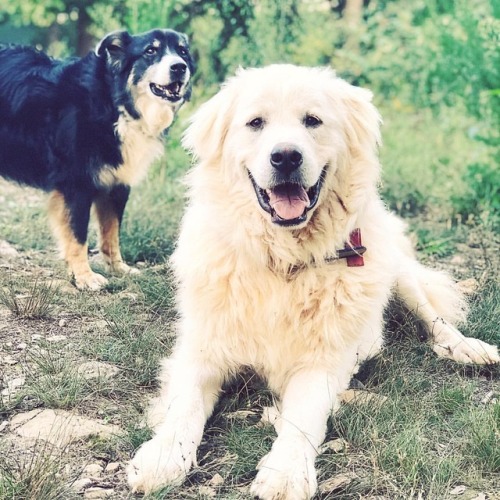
<point>353,13</point>
<point>85,41</point>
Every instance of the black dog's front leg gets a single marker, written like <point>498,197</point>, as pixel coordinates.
<point>69,213</point>
<point>109,207</point>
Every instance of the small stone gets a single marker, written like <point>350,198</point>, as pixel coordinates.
<point>9,360</point>
<point>469,286</point>
<point>36,337</point>
<point>112,467</point>
<point>7,251</point>
<point>59,427</point>
<point>357,396</point>
<point>3,425</point>
<point>336,446</point>
<point>93,470</point>
<point>337,482</point>
<point>81,484</point>
<point>133,297</point>
<point>56,338</point>
<point>97,370</point>
<point>458,490</point>
<point>63,322</point>
<point>96,326</point>
<point>21,346</point>
<point>62,286</point>
<point>481,496</point>
<point>38,350</point>
<point>240,414</point>
<point>217,480</point>
<point>207,491</point>
<point>487,398</point>
<point>98,493</point>
<point>13,386</point>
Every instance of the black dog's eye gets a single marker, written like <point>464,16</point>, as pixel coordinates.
<point>312,121</point>
<point>182,50</point>
<point>256,123</point>
<point>151,50</point>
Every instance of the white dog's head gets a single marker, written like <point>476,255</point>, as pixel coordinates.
<point>290,133</point>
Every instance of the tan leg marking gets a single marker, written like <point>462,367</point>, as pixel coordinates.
<point>109,230</point>
<point>73,252</point>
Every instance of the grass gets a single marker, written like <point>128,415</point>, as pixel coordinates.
<point>439,424</point>
<point>246,444</point>
<point>35,476</point>
<point>134,344</point>
<point>425,159</point>
<point>151,220</point>
<point>429,431</point>
<point>53,378</point>
<point>28,300</point>
<point>484,316</point>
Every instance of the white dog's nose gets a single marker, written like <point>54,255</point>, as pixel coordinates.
<point>286,157</point>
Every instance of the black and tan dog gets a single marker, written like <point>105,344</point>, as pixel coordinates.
<point>86,130</point>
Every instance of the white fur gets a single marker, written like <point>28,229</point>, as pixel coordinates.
<point>141,141</point>
<point>251,293</point>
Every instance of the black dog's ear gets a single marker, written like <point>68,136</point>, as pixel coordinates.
<point>112,47</point>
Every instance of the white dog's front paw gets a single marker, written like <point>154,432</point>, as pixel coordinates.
<point>159,463</point>
<point>286,473</point>
<point>468,350</point>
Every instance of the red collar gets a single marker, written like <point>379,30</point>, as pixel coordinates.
<point>353,250</point>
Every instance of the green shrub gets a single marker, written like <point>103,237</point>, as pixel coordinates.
<point>481,199</point>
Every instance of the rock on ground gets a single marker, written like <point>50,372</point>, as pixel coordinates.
<point>58,427</point>
<point>91,370</point>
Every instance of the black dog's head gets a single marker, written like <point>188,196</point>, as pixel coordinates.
<point>152,69</point>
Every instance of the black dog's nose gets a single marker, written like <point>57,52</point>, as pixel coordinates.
<point>178,69</point>
<point>286,158</point>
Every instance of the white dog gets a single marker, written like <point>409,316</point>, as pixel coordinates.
<point>272,273</point>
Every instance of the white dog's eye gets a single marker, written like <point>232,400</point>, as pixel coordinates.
<point>312,121</point>
<point>256,123</point>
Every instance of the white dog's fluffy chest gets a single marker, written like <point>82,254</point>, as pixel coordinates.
<point>264,320</point>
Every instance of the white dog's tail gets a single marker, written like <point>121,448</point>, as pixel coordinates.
<point>438,303</point>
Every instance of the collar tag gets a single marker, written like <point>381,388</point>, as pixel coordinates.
<point>354,250</point>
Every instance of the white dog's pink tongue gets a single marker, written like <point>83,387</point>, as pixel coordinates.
<point>289,200</point>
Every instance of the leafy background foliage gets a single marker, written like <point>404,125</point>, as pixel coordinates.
<point>416,55</point>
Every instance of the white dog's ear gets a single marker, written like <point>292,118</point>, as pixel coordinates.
<point>207,132</point>
<point>363,119</point>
